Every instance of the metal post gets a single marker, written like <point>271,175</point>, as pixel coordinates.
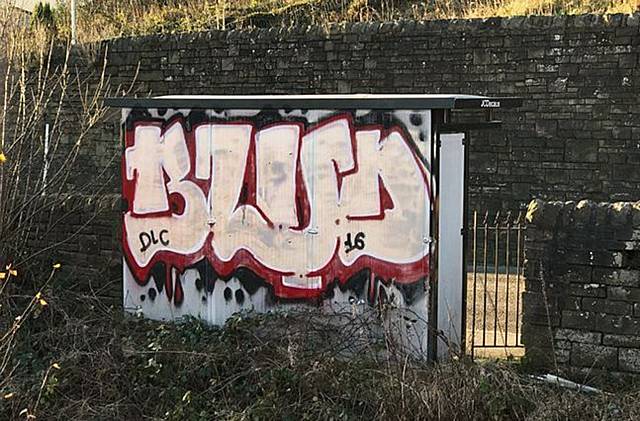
<point>508,263</point>
<point>486,272</point>
<point>73,23</point>
<point>475,281</point>
<point>45,170</point>
<point>518,270</point>
<point>496,274</point>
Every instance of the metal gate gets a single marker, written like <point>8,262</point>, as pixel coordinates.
<point>494,284</point>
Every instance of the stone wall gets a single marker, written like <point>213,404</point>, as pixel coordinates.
<point>577,136</point>
<point>582,299</point>
<point>83,234</point>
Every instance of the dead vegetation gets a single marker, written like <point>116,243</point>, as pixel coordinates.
<point>41,93</point>
<point>82,359</point>
<point>112,18</point>
<point>38,156</point>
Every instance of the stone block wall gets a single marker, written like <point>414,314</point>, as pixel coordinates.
<point>83,234</point>
<point>581,303</point>
<point>576,137</point>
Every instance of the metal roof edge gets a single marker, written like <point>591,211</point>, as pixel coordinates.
<point>377,102</point>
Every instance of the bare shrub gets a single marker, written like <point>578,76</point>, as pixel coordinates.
<point>42,95</point>
<point>269,366</point>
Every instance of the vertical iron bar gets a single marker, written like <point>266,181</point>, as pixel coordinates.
<point>507,306</point>
<point>475,276</point>
<point>495,262</point>
<point>484,292</point>
<point>518,269</point>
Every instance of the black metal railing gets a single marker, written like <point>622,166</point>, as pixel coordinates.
<point>495,283</point>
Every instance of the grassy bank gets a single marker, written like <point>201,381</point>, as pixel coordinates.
<point>98,19</point>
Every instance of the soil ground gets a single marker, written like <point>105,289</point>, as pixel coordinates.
<point>495,329</point>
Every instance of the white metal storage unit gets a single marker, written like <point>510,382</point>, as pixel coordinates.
<point>254,203</point>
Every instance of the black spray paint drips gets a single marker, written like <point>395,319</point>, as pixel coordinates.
<point>163,280</point>
<point>361,286</point>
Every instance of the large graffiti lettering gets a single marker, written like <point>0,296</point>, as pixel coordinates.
<point>302,207</point>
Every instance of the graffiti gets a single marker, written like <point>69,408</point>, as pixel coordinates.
<point>358,242</point>
<point>147,239</point>
<point>299,208</point>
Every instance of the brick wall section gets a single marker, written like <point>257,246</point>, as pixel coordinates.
<point>576,137</point>
<point>582,297</point>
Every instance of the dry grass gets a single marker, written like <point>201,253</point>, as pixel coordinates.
<point>550,7</point>
<point>100,19</point>
<point>81,359</point>
<point>497,322</point>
